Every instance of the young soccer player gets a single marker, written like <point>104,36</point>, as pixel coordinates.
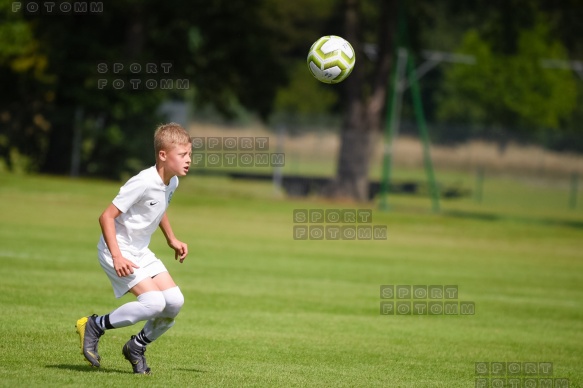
<point>127,225</point>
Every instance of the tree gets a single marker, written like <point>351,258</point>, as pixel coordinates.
<point>505,94</point>
<point>228,51</point>
<point>512,91</point>
<point>366,93</point>
<point>243,53</point>
<point>27,89</point>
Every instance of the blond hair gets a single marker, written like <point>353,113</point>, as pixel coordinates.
<point>169,134</point>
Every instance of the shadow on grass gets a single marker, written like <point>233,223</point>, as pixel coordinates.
<point>473,215</point>
<point>85,368</point>
<point>576,224</point>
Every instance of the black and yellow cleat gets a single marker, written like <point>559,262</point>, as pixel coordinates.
<point>134,353</point>
<point>89,334</point>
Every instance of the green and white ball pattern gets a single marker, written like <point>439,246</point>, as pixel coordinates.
<point>331,59</point>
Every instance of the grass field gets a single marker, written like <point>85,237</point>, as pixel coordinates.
<point>263,309</point>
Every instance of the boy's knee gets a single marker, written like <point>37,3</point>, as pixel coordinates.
<point>154,301</point>
<point>174,301</point>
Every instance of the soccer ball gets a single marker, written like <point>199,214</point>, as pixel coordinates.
<point>331,59</point>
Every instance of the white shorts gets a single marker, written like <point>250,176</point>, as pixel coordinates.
<point>150,266</point>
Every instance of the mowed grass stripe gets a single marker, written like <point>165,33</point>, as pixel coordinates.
<point>265,310</point>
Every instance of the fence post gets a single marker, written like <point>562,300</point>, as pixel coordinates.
<point>277,171</point>
<point>479,184</point>
<point>420,116</point>
<point>574,187</point>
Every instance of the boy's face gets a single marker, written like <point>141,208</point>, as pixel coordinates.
<point>176,159</point>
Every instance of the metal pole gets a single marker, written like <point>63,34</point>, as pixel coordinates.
<point>479,183</point>
<point>277,173</point>
<point>418,105</point>
<point>574,187</point>
<point>393,121</point>
<point>76,147</point>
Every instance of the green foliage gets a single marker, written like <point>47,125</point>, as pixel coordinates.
<point>241,56</point>
<point>513,90</point>
<point>228,52</point>
<point>305,103</point>
<point>304,95</point>
<point>16,39</point>
<point>301,22</point>
<point>26,86</point>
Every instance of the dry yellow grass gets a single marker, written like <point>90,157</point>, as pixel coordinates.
<point>322,146</point>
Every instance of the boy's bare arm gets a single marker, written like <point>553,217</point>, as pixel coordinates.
<point>180,248</point>
<point>123,266</point>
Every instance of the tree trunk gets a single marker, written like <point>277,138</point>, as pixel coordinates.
<point>352,172</point>
<point>363,120</point>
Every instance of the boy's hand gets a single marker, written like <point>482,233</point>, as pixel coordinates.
<point>180,249</point>
<point>124,267</point>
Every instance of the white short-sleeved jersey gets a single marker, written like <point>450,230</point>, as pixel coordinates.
<point>143,200</point>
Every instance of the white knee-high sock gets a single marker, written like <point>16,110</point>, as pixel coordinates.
<point>148,305</point>
<point>160,324</point>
